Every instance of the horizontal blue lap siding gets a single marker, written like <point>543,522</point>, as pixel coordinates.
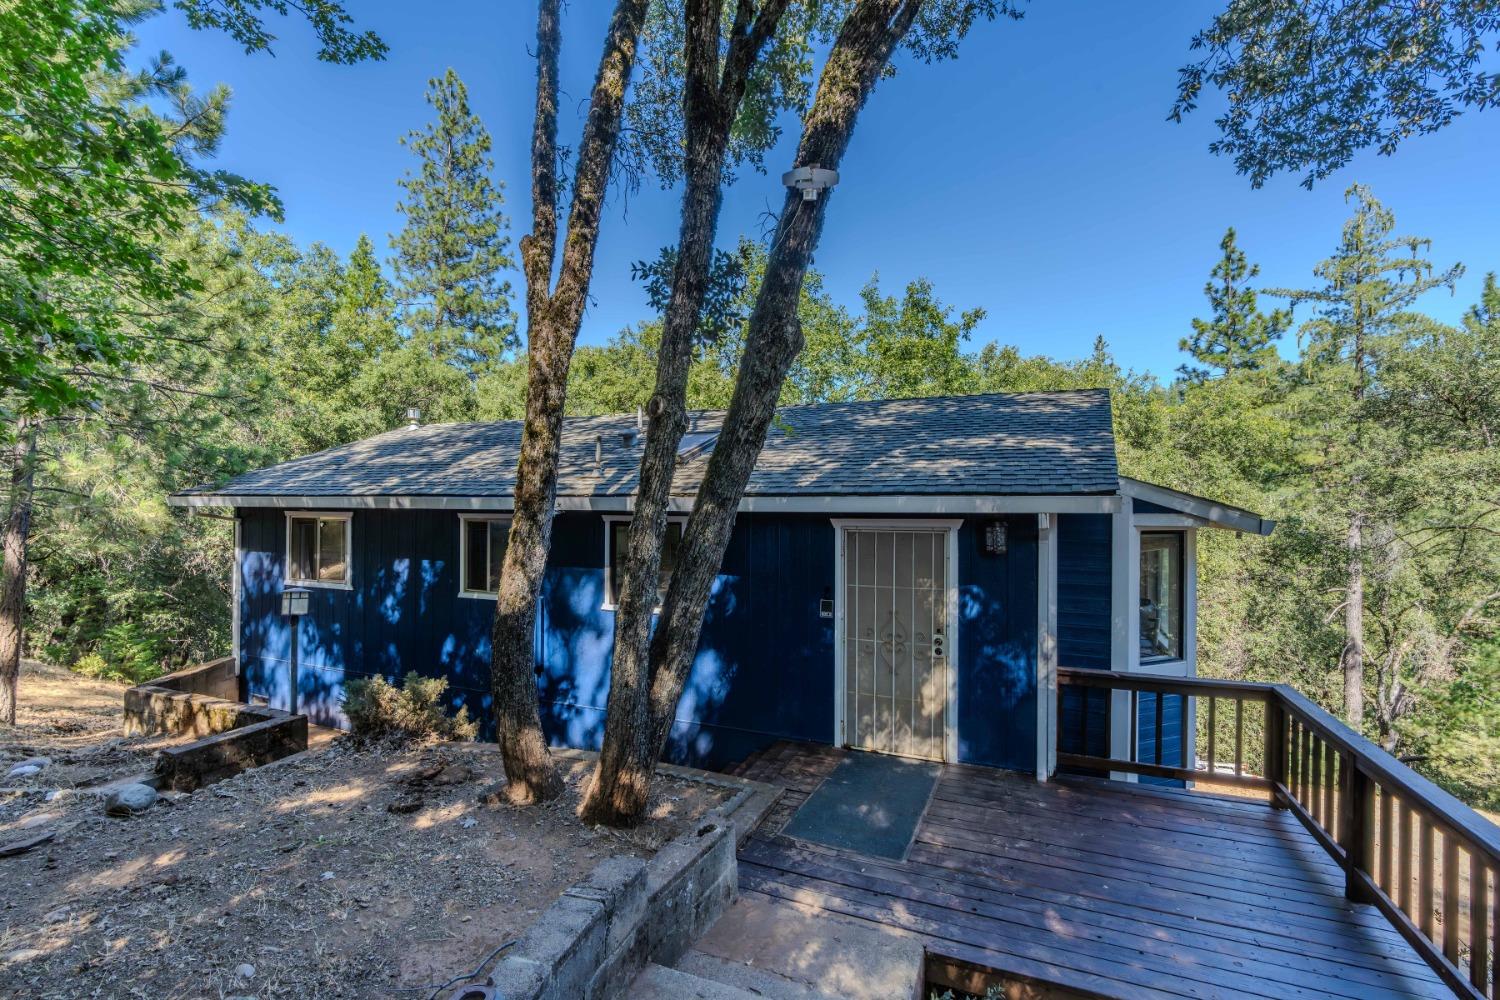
<point>765,664</point>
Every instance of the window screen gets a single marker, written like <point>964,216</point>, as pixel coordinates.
<point>317,550</point>
<point>484,552</point>
<point>670,543</point>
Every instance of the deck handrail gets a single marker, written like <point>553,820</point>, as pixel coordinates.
<point>1379,819</point>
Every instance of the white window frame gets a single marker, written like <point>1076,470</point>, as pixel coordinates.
<point>463,552</point>
<point>1167,664</point>
<point>609,576</point>
<point>329,515</point>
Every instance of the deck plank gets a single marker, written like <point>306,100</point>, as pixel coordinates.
<point>1102,887</point>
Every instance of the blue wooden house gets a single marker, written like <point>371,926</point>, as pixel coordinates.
<point>904,576</point>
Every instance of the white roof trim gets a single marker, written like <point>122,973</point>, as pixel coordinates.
<point>1219,514</point>
<point>844,504</point>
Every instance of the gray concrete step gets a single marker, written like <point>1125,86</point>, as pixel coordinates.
<point>657,982</point>
<point>778,949</point>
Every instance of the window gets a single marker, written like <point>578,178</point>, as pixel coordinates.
<point>317,549</point>
<point>616,529</point>
<point>481,551</point>
<point>1161,595</point>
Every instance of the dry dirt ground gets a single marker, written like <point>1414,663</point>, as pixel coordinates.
<point>343,872</point>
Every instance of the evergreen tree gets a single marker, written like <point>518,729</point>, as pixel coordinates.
<point>1239,337</point>
<point>452,252</point>
<point>1363,316</point>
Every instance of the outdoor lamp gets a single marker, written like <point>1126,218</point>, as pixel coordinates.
<point>294,602</point>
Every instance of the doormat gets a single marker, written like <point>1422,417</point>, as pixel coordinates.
<point>871,803</point>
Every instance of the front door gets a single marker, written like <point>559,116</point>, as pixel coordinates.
<point>894,628</point>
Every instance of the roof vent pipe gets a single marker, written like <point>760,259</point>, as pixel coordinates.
<point>599,450</point>
<point>413,418</point>
<point>640,420</point>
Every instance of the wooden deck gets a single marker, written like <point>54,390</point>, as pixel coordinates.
<point>1104,889</point>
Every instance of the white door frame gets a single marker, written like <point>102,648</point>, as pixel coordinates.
<point>950,635</point>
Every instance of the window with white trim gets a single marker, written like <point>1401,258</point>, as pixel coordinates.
<point>481,552</point>
<point>317,549</point>
<point>1161,595</point>
<point>615,531</point>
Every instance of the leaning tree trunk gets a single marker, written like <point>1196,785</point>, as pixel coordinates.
<point>1352,659</point>
<point>13,575</point>
<point>553,319</point>
<point>617,793</point>
<point>859,55</point>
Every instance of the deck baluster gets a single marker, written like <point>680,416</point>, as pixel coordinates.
<point>1387,881</point>
<point>1424,878</point>
<point>1213,734</point>
<point>1404,899</point>
<point>1239,737</point>
<point>1479,936</point>
<point>1451,908</point>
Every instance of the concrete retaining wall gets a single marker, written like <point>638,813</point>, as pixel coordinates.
<point>200,701</point>
<point>197,701</point>
<point>592,942</point>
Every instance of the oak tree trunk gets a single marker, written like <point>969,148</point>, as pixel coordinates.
<point>553,319</point>
<point>859,55</point>
<point>617,792</point>
<point>13,574</point>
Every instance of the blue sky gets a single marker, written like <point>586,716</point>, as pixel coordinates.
<point>1036,176</point>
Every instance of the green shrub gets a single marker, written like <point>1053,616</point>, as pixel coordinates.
<point>93,665</point>
<point>379,710</point>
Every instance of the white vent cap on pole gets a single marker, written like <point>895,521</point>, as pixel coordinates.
<point>810,180</point>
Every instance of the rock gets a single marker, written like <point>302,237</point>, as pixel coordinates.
<point>28,767</point>
<point>20,956</point>
<point>401,807</point>
<point>26,843</point>
<point>327,876</point>
<point>57,916</point>
<point>245,970</point>
<point>468,822</point>
<point>127,800</point>
<point>454,774</point>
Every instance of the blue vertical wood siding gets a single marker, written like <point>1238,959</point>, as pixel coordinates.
<point>997,610</point>
<point>1084,548</point>
<point>765,665</point>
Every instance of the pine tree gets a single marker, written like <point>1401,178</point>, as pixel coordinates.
<point>1363,316</point>
<point>452,252</point>
<point>1239,337</point>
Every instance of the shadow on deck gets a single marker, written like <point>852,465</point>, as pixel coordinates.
<point>1099,888</point>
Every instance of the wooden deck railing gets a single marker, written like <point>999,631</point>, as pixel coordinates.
<point>1424,859</point>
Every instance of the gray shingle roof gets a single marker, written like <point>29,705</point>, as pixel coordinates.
<point>1004,444</point>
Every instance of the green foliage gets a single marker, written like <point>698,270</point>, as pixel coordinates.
<point>1239,337</point>
<point>1310,85</point>
<point>93,181</point>
<point>378,710</point>
<point>454,247</point>
<point>241,20</point>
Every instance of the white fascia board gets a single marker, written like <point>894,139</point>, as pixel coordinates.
<point>1218,514</point>
<point>953,505</point>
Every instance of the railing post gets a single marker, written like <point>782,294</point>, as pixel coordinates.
<point>1275,766</point>
<point>1355,821</point>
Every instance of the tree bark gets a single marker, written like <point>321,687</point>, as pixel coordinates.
<point>617,792</point>
<point>859,55</point>
<point>553,319</point>
<point>1352,660</point>
<point>13,574</point>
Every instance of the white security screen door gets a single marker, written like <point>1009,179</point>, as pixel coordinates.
<point>895,653</point>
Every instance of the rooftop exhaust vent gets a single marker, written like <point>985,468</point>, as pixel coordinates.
<point>693,445</point>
